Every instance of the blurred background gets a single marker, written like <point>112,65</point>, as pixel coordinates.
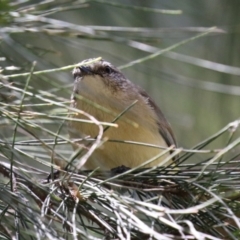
<point>196,85</point>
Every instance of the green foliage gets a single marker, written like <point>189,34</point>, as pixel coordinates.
<point>5,12</point>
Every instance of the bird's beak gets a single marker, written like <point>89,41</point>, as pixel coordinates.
<point>85,70</point>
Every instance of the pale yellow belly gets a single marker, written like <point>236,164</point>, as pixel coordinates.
<point>114,154</point>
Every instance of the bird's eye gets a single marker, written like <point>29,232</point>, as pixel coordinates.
<point>108,70</point>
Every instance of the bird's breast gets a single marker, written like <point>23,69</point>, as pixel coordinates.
<point>116,151</point>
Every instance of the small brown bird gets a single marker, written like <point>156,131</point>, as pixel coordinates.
<point>104,84</point>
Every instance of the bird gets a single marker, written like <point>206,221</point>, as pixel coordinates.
<point>102,83</point>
